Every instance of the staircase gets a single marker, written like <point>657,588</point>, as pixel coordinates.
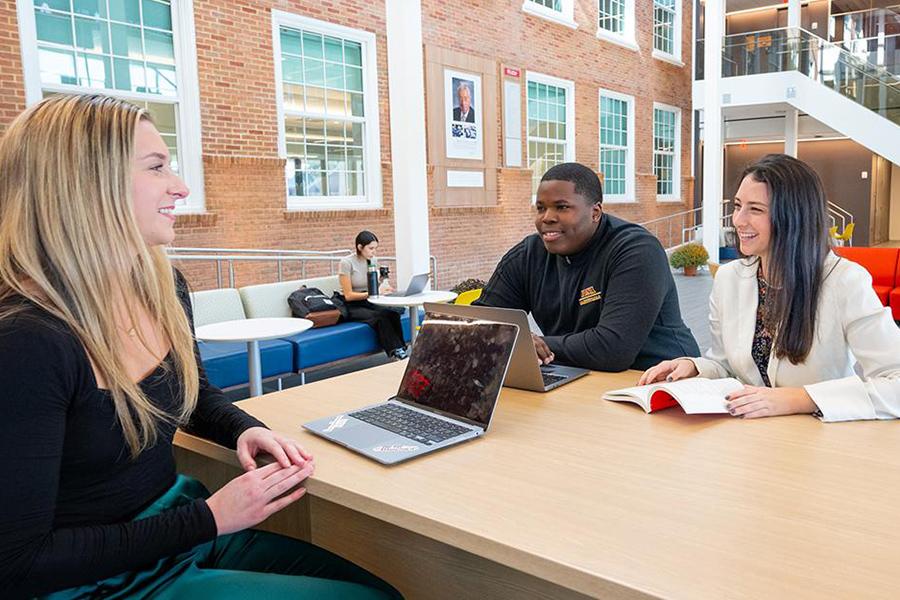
<point>819,78</point>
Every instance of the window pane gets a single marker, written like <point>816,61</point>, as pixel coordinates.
<point>161,80</point>
<point>356,105</point>
<point>293,96</point>
<point>57,66</point>
<point>93,71</point>
<point>163,117</point>
<point>292,69</point>
<point>312,45</point>
<point>336,103</point>
<point>53,28</point>
<point>129,75</point>
<point>354,79</point>
<point>314,71</point>
<point>92,35</point>
<point>159,47</point>
<point>126,41</point>
<point>290,42</point>
<point>353,53</point>
<point>334,49</point>
<point>334,76</point>
<point>315,100</point>
<point>127,11</point>
<point>91,8</point>
<point>157,14</point>
<point>55,4</point>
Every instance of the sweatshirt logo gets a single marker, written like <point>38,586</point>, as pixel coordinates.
<point>588,295</point>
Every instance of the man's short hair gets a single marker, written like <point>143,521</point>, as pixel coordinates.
<point>587,184</point>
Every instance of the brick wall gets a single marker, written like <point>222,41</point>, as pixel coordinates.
<point>244,177</point>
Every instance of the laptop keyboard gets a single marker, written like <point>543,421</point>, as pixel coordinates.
<point>550,378</point>
<point>410,423</point>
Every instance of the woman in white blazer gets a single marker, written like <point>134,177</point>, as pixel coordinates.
<point>790,319</point>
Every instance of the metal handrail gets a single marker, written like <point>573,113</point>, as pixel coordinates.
<point>233,255</point>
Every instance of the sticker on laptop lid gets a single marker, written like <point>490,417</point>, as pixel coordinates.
<point>336,423</point>
<point>395,448</point>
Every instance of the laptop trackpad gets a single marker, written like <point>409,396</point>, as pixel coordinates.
<point>359,434</point>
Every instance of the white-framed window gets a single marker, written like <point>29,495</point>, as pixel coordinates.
<point>551,123</point>
<point>142,51</point>
<point>617,146</point>
<point>667,151</point>
<point>560,11</point>
<point>326,86</point>
<point>615,22</point>
<point>667,30</point>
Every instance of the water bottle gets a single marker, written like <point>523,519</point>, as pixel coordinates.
<point>372,279</point>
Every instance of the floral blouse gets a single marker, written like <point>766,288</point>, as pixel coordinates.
<point>762,337</point>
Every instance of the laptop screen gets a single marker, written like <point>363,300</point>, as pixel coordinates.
<point>457,366</point>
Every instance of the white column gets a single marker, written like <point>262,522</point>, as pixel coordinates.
<point>406,86</point>
<point>793,13</point>
<point>713,126</point>
<point>790,131</point>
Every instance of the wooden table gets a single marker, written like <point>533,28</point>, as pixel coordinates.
<point>570,496</point>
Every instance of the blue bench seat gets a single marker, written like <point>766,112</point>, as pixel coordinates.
<point>226,362</point>
<point>324,345</point>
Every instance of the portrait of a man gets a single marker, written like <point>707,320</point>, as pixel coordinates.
<point>462,107</point>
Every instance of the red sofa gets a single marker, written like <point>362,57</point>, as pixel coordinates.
<point>884,266</point>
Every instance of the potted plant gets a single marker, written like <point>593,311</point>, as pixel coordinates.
<point>468,285</point>
<point>689,257</point>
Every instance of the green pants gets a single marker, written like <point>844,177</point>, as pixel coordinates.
<point>247,564</point>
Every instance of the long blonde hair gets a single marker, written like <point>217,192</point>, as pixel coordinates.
<point>69,242</point>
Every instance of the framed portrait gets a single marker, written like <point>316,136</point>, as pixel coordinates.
<point>462,115</point>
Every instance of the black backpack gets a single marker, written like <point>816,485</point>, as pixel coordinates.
<point>313,304</point>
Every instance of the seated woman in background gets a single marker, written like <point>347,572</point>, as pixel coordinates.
<point>790,319</point>
<point>353,274</point>
<point>98,366</point>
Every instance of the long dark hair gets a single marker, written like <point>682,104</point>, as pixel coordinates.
<point>364,238</point>
<point>799,246</point>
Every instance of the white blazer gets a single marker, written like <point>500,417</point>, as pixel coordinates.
<point>851,325</point>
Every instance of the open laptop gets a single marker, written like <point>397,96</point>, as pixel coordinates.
<point>447,394</point>
<point>525,372</point>
<point>416,286</point>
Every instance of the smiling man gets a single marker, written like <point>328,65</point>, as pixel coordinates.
<point>599,287</point>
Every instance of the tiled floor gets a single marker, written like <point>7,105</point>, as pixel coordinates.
<point>693,296</point>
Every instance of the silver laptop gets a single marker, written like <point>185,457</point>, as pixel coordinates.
<point>525,372</point>
<point>447,394</point>
<point>416,286</point>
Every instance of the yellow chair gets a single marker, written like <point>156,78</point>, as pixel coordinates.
<point>845,237</point>
<point>468,297</point>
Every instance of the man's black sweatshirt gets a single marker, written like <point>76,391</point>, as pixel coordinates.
<point>613,306</point>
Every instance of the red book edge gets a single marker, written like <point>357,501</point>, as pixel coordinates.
<point>661,399</point>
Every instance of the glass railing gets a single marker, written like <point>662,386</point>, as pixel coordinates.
<point>872,35</point>
<point>779,50</point>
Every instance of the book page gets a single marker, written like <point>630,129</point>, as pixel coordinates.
<point>699,395</point>
<point>695,395</point>
<point>639,395</point>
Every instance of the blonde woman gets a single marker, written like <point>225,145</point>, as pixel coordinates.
<point>98,367</point>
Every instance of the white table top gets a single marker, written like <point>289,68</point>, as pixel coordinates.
<point>249,330</point>
<point>415,299</point>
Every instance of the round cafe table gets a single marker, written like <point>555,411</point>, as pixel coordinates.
<point>412,303</point>
<point>253,331</point>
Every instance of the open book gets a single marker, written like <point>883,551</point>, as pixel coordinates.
<point>695,395</point>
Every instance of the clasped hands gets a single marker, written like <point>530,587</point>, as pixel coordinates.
<point>749,402</point>
<point>249,499</point>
